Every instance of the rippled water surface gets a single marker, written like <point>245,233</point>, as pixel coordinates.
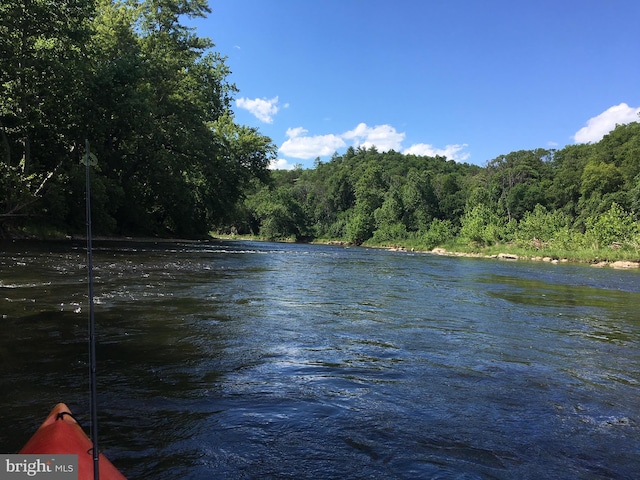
<point>261,360</point>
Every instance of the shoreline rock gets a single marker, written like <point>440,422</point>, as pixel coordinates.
<point>508,256</point>
<point>623,264</point>
<point>620,264</point>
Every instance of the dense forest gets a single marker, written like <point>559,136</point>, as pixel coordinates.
<point>580,197</point>
<point>150,96</point>
<point>153,101</point>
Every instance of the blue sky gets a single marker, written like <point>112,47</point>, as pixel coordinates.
<point>468,79</point>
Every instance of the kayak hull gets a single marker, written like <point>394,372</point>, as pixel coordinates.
<point>60,433</point>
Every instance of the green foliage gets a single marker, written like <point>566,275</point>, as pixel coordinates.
<point>419,200</point>
<point>539,227</point>
<point>482,226</point>
<point>278,213</point>
<point>451,196</point>
<point>634,196</point>
<point>150,95</point>
<point>515,180</point>
<point>370,189</point>
<point>600,177</point>
<point>536,200</point>
<point>568,239</point>
<point>439,233</point>
<point>390,233</point>
<point>359,227</point>
<point>614,228</point>
<point>391,211</point>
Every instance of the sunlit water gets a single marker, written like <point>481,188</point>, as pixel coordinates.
<point>261,360</point>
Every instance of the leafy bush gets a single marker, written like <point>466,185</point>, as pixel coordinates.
<point>439,233</point>
<point>539,227</point>
<point>614,227</point>
<point>481,226</point>
<point>568,239</point>
<point>390,233</point>
<point>359,228</point>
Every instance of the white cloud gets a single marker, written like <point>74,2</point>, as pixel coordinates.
<point>453,152</point>
<point>262,108</point>
<point>598,126</point>
<point>281,164</point>
<point>384,137</point>
<point>300,146</point>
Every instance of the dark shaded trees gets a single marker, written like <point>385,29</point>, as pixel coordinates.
<point>150,95</point>
<point>43,73</point>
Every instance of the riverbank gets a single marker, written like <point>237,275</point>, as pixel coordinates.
<point>618,264</point>
<point>596,258</point>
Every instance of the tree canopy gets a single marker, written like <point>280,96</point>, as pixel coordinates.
<point>533,198</point>
<point>151,97</point>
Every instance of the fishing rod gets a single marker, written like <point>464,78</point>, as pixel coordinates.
<point>92,326</point>
<point>59,434</point>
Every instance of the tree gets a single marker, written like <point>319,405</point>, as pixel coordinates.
<point>481,226</point>
<point>522,198</point>
<point>600,177</point>
<point>163,119</point>
<point>450,196</point>
<point>279,213</point>
<point>567,167</point>
<point>539,227</point>
<point>439,233</point>
<point>521,171</point>
<point>388,218</point>
<point>615,227</point>
<point>42,101</point>
<point>360,227</point>
<point>621,147</point>
<point>370,189</point>
<point>634,197</point>
<point>419,200</point>
<point>242,154</point>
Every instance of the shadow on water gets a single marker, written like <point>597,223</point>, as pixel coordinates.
<point>259,360</point>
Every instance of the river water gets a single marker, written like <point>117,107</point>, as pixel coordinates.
<point>243,360</point>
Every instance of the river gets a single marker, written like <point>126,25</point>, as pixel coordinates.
<point>243,360</point>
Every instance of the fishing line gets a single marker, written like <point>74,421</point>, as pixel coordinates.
<point>92,327</point>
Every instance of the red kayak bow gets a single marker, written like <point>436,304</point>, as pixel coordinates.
<point>60,433</point>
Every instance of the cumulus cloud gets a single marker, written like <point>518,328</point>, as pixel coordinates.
<point>262,108</point>
<point>383,137</point>
<point>281,164</point>
<point>453,152</point>
<point>598,126</point>
<point>299,145</point>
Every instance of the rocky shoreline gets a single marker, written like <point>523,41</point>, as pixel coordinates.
<point>619,264</point>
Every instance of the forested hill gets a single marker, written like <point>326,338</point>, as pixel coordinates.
<point>582,196</point>
<point>150,96</point>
